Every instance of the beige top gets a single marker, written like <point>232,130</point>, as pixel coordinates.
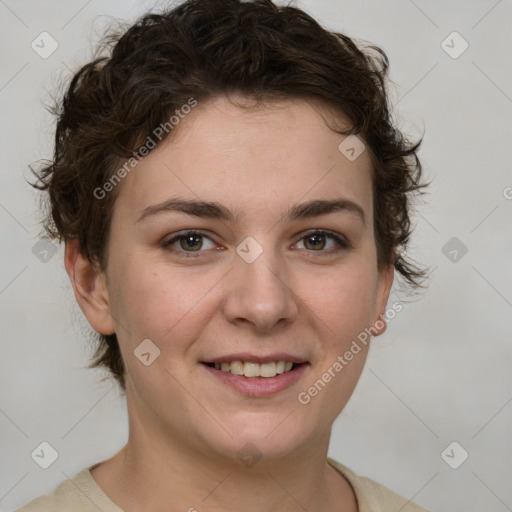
<point>83,494</point>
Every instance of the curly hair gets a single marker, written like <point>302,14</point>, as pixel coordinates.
<point>201,49</point>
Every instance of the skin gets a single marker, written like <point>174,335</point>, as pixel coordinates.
<point>186,427</point>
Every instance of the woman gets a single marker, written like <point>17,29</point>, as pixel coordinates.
<point>234,201</point>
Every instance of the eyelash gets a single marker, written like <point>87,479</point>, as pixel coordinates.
<point>340,240</point>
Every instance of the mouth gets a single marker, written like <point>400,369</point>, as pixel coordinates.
<point>255,370</point>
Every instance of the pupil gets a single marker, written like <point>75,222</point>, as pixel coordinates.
<point>316,236</point>
<point>191,238</point>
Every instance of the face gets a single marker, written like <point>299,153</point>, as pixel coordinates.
<point>214,258</point>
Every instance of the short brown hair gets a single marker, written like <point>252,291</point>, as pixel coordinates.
<point>201,49</point>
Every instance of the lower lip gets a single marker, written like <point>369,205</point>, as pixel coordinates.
<point>259,386</point>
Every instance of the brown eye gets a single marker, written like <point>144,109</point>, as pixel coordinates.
<point>188,242</point>
<point>317,241</point>
<point>193,242</point>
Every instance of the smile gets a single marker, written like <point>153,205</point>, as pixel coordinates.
<point>252,370</point>
<point>257,379</point>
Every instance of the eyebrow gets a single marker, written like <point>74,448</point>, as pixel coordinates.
<point>214,210</point>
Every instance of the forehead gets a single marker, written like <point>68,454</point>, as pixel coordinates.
<point>238,153</point>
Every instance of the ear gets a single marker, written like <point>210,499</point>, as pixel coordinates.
<point>386,276</point>
<point>89,285</point>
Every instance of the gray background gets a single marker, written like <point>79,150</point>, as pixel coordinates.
<point>441,373</point>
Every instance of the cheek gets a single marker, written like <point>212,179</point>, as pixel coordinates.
<point>344,311</point>
<point>151,301</point>
<point>346,301</point>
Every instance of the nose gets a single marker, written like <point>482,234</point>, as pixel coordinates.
<point>259,295</point>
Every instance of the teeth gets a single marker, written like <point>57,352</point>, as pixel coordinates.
<point>249,369</point>
<point>236,367</point>
<point>268,370</point>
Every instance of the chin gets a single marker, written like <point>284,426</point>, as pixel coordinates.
<point>259,435</point>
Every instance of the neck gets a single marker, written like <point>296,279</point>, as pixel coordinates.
<point>165,475</point>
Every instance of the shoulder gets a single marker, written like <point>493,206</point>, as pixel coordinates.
<point>372,496</point>
<point>79,494</point>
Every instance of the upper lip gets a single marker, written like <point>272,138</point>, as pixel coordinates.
<point>254,358</point>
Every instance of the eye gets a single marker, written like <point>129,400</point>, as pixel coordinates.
<point>188,242</point>
<point>316,241</point>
